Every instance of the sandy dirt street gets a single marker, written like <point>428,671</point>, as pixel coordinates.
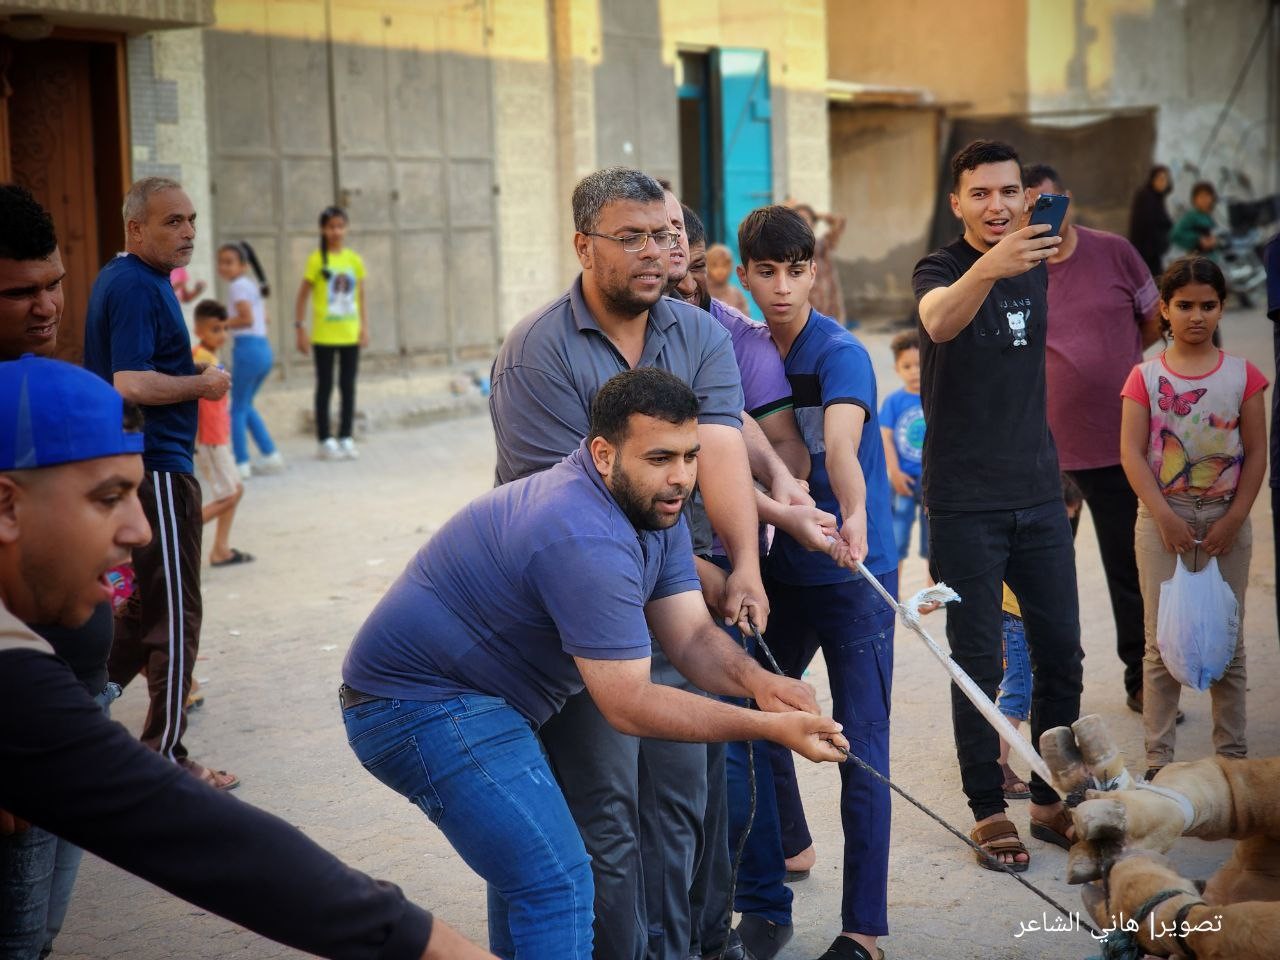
<point>330,538</point>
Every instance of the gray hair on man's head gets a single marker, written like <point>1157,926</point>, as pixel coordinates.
<point>595,190</point>
<point>135,201</point>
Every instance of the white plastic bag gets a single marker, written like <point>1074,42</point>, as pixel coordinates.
<point>1198,625</point>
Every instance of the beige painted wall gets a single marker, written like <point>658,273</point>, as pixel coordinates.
<point>531,208</point>
<point>883,167</point>
<point>973,55</point>
<point>178,56</point>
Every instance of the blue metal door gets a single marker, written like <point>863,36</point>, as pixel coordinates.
<point>746,142</point>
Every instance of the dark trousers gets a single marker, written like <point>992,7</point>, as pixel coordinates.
<point>1031,550</point>
<point>761,887</point>
<point>792,824</point>
<point>639,805</point>
<point>1114,507</point>
<point>348,366</point>
<point>853,627</point>
<point>158,630</point>
<point>709,893</point>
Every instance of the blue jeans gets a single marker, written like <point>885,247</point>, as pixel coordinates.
<point>473,765</point>
<point>251,360</point>
<point>37,872</point>
<point>853,626</point>
<point>905,510</point>
<point>1015,688</point>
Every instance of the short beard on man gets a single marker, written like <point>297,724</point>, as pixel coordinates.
<point>640,509</point>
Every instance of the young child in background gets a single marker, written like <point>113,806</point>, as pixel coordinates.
<point>214,460</point>
<point>719,270</point>
<point>332,292</point>
<point>902,429</point>
<point>183,287</point>
<point>251,356</point>
<point>1015,689</point>
<point>1193,444</point>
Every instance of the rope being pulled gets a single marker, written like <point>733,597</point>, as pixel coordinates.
<point>993,861</point>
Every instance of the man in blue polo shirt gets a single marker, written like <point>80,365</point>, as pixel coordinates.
<point>613,318</point>
<point>535,590</point>
<point>136,339</point>
<point>817,601</point>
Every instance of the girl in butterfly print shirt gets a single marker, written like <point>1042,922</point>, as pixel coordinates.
<point>1193,445</point>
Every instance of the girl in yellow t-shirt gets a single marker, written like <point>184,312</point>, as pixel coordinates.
<point>333,286</point>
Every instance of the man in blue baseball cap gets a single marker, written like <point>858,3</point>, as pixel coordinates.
<point>38,868</point>
<point>69,512</point>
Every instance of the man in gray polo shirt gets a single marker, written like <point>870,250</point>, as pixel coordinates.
<point>611,319</point>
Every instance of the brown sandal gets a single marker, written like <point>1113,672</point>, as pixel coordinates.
<point>1054,830</point>
<point>218,779</point>
<point>1015,788</point>
<point>995,838</point>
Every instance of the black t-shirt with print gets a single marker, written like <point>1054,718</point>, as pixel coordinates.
<point>987,444</point>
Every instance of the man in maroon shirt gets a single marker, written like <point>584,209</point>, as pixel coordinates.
<point>1103,312</point>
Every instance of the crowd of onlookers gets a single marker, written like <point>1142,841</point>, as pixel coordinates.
<point>568,679</point>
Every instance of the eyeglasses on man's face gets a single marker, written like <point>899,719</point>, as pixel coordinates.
<point>635,242</point>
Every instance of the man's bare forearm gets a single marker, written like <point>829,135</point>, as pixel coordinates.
<point>945,311</point>
<point>765,463</point>
<point>666,713</point>
<point>847,480</point>
<point>724,478</point>
<point>149,388</point>
<point>714,663</point>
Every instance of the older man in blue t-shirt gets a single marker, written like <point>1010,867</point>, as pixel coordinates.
<point>136,339</point>
<point>535,590</point>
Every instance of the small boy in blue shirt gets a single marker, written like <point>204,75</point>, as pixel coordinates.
<point>820,601</point>
<point>902,426</point>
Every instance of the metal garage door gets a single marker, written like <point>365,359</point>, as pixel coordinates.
<point>385,107</point>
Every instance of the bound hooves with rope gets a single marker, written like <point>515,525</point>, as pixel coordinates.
<point>1124,827</point>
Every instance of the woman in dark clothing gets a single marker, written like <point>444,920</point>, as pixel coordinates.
<point>1149,222</point>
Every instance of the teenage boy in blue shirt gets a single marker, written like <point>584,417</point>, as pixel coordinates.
<point>817,600</point>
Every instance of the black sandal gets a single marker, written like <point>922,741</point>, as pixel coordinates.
<point>846,948</point>
<point>236,557</point>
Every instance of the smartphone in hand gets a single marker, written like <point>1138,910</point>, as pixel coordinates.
<point>1050,208</point>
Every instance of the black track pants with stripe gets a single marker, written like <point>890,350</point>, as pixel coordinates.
<point>158,630</point>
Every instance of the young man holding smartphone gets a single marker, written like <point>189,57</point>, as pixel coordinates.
<point>991,482</point>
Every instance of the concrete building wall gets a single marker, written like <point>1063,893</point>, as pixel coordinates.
<point>1183,58</point>
<point>531,207</point>
<point>972,57</point>
<point>883,165</point>
<point>169,126</point>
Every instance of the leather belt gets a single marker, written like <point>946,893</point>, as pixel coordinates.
<point>349,698</point>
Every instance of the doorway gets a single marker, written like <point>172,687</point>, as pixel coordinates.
<point>64,117</point>
<point>726,146</point>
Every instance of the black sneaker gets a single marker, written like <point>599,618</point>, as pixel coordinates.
<point>846,948</point>
<point>761,938</point>
<point>734,950</point>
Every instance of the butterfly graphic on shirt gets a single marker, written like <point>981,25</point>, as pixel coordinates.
<point>1179,403</point>
<point>1181,474</point>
